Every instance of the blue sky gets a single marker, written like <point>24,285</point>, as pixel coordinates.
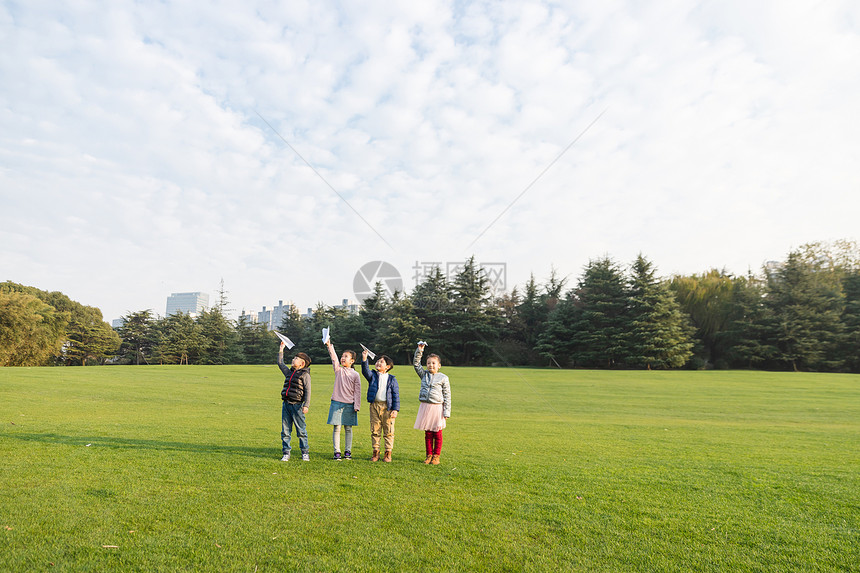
<point>134,161</point>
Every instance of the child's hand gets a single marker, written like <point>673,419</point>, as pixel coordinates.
<point>356,410</point>
<point>304,410</point>
<point>283,345</point>
<point>393,414</point>
<point>364,355</point>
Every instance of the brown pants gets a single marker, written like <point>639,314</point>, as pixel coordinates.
<point>381,422</point>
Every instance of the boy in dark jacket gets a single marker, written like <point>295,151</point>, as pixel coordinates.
<point>296,395</point>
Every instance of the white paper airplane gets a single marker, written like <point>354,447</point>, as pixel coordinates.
<point>369,353</point>
<point>326,336</point>
<point>420,342</point>
<point>285,340</point>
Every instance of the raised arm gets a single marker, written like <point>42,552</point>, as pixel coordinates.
<point>365,368</point>
<point>334,360</point>
<point>416,362</point>
<point>281,364</point>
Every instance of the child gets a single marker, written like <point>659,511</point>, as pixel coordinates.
<point>435,403</point>
<point>345,399</point>
<point>383,393</point>
<point>297,399</point>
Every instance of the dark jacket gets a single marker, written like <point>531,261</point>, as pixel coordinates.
<point>392,392</point>
<point>297,384</point>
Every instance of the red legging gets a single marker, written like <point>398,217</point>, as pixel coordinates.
<point>433,442</point>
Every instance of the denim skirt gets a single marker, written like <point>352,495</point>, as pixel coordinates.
<point>342,414</point>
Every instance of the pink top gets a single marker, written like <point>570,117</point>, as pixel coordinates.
<point>347,383</point>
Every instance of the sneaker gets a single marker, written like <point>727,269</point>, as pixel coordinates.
<point>347,455</point>
<point>286,458</point>
<point>337,456</point>
<point>306,457</point>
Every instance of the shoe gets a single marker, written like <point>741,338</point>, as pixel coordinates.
<point>306,457</point>
<point>428,458</point>
<point>337,456</point>
<point>286,458</point>
<point>435,459</point>
<point>347,455</point>
<point>387,457</point>
<point>375,456</point>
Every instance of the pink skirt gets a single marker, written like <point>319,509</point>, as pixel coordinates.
<point>429,417</point>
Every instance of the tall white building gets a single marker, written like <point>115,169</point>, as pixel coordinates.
<point>189,302</point>
<point>265,317</point>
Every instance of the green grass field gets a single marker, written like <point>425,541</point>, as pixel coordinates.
<point>178,468</point>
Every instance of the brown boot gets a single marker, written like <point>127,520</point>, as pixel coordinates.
<point>375,456</point>
<point>435,459</point>
<point>428,458</point>
<point>387,457</point>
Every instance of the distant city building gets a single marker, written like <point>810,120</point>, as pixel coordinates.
<point>117,322</point>
<point>279,313</point>
<point>250,317</point>
<point>271,318</point>
<point>264,317</point>
<point>350,305</point>
<point>188,302</point>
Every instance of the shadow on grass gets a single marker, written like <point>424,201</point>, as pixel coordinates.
<point>139,444</point>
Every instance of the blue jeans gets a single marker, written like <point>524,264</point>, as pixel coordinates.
<point>291,414</point>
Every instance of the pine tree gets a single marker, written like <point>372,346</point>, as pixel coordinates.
<point>659,335</point>
<point>600,330</point>
<point>555,341</point>
<point>807,307</point>
<point>851,321</point>
<point>473,323</point>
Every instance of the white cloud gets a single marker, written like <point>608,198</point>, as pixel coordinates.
<point>133,162</point>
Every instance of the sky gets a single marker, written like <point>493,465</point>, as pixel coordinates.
<point>148,148</point>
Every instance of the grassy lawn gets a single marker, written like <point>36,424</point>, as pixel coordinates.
<point>178,468</point>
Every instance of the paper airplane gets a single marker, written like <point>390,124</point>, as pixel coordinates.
<point>420,342</point>
<point>326,336</point>
<point>369,353</point>
<point>285,340</point>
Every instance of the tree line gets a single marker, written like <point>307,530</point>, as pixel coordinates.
<point>799,314</point>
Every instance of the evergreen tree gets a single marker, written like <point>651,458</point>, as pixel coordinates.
<point>744,336</point>
<point>806,307</point>
<point>851,321</point>
<point>137,335</point>
<point>293,327</point>
<point>219,341</point>
<point>659,336</point>
<point>372,312</point>
<point>400,330</point>
<point>183,341</point>
<point>431,300</point>
<point>90,337</point>
<point>602,324</point>
<point>258,344</point>
<point>473,323</point>
<point>555,341</point>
